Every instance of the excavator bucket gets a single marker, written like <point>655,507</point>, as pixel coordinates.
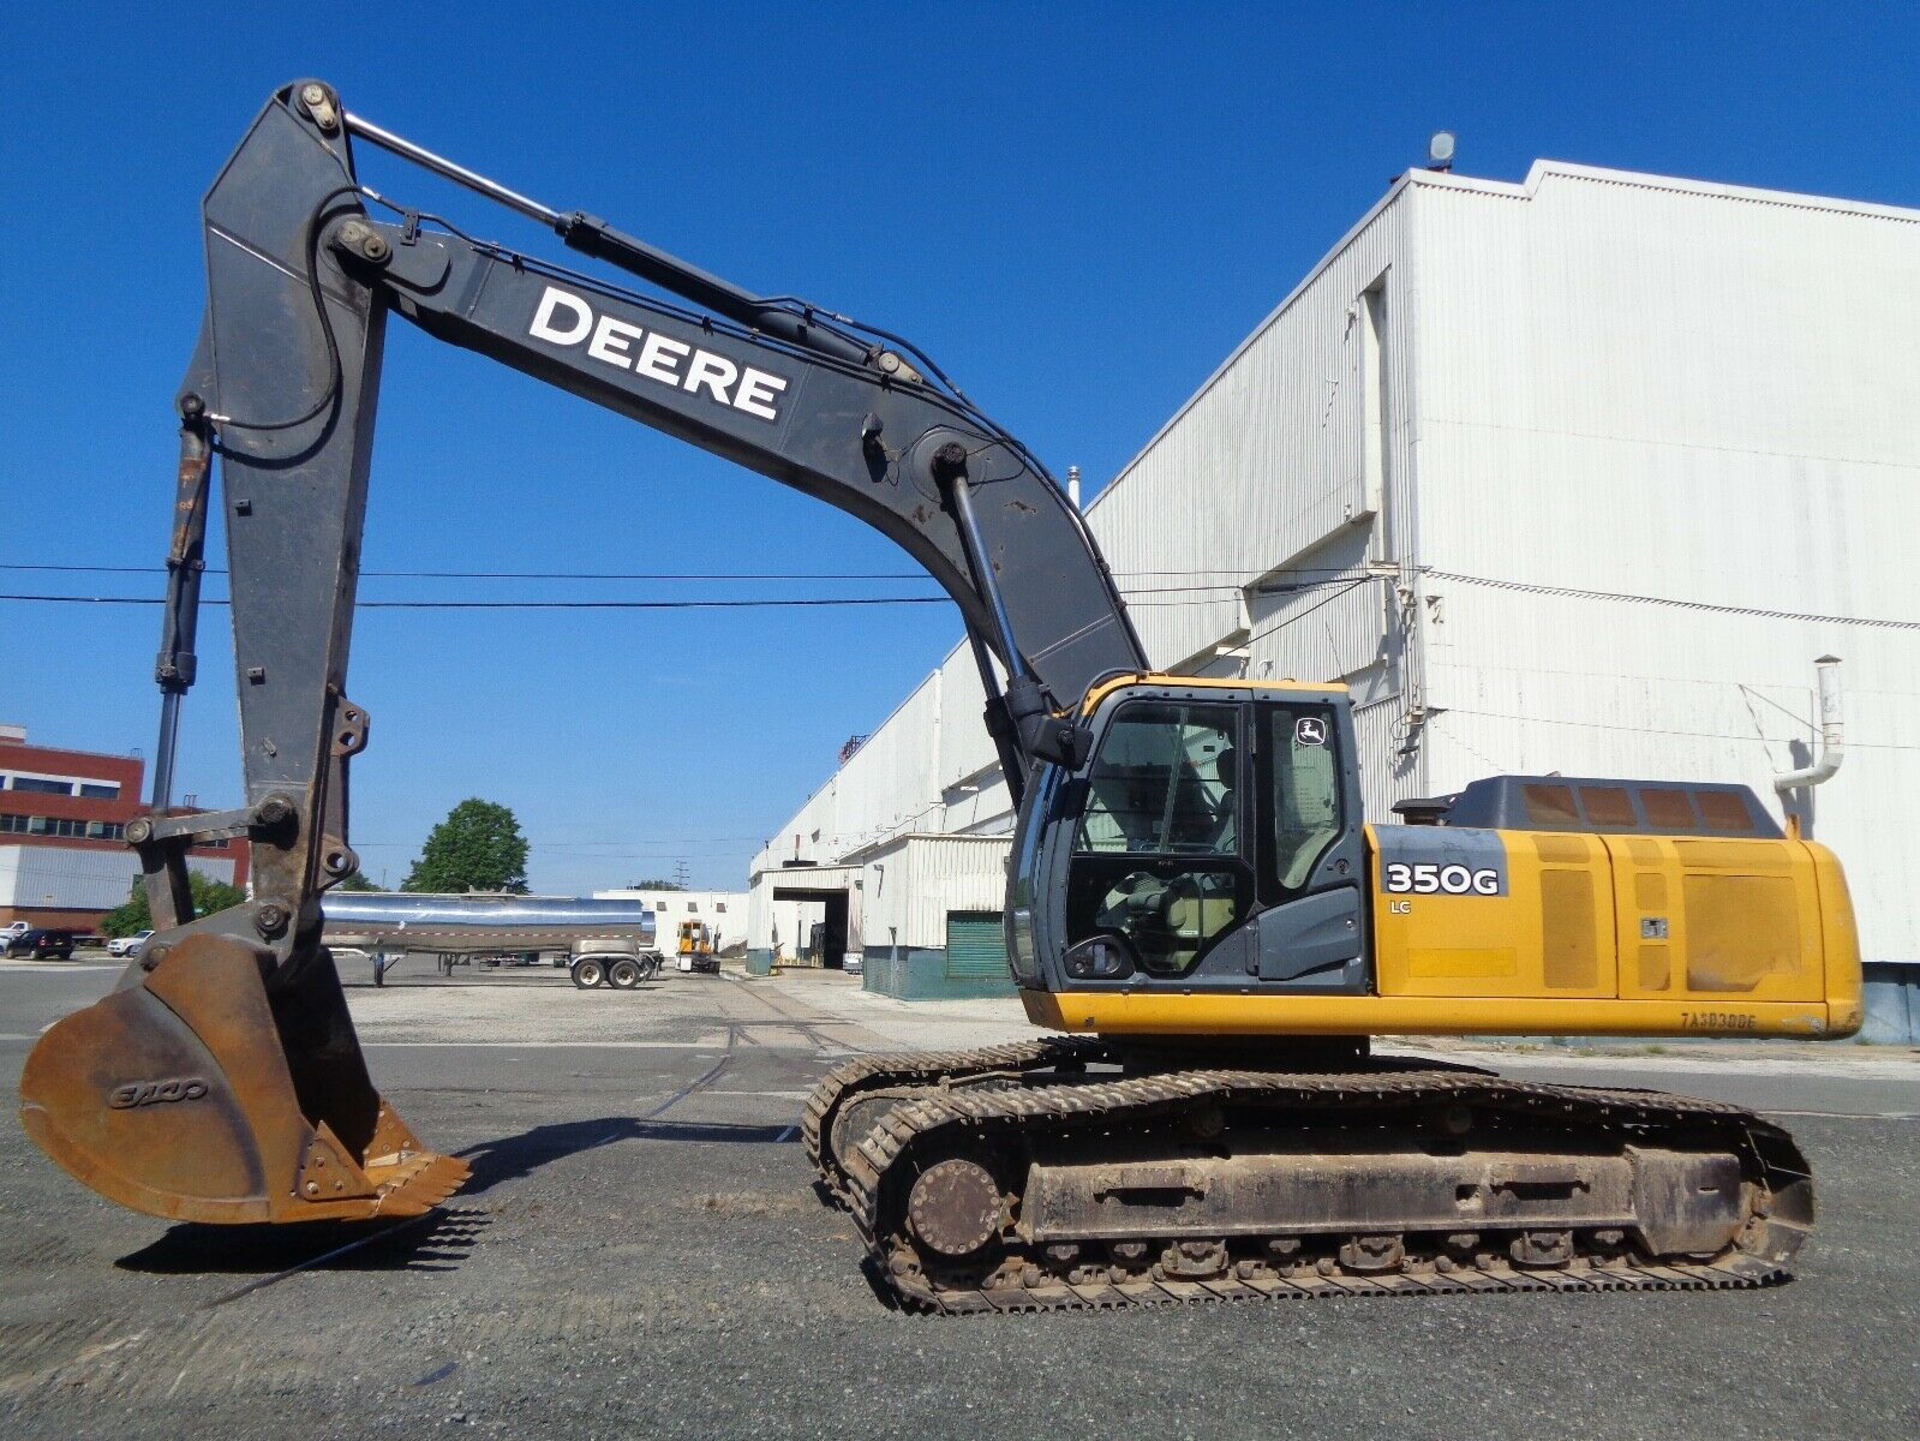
<point>203,1090</point>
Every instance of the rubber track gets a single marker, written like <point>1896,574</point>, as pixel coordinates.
<point>922,1068</point>
<point>916,1125</point>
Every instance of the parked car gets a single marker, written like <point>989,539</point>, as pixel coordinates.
<point>11,932</point>
<point>43,943</point>
<point>128,945</point>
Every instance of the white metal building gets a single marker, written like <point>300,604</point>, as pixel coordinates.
<point>1577,475</point>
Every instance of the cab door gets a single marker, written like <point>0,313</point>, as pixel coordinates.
<point>1160,861</point>
<point>1311,928</point>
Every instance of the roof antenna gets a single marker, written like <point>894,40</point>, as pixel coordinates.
<point>1440,151</point>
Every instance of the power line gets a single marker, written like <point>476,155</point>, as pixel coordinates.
<point>1211,592</point>
<point>754,603</point>
<point>655,575</point>
<point>511,574</point>
<point>1343,579</point>
<point>1631,598</point>
<point>1243,577</point>
<point>768,604</point>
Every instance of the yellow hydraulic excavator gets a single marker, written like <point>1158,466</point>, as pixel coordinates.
<point>1193,886</point>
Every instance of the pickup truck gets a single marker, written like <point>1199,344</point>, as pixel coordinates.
<point>42,943</point>
<point>11,930</point>
<point>128,945</point>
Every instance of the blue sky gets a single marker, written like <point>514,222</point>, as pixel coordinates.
<point>1077,209</point>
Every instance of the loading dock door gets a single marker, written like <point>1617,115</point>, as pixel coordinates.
<point>976,946</point>
<point>832,952</point>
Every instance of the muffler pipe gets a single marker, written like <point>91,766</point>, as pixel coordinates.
<point>1832,744</point>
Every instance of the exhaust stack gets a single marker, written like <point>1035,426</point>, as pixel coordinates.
<point>1832,746</point>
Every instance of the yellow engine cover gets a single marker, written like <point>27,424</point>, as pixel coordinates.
<point>1719,935</point>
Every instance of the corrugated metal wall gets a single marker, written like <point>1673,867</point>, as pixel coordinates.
<point>1656,389</point>
<point>76,878</point>
<point>965,750</point>
<point>909,886</point>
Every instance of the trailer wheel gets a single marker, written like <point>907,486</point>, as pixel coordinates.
<point>589,973</point>
<point>623,974</point>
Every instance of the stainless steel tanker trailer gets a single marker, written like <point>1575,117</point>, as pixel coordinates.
<point>601,943</point>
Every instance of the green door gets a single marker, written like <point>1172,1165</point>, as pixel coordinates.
<point>976,946</point>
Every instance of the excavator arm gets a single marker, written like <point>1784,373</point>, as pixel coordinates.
<point>223,1081</point>
<point>283,387</point>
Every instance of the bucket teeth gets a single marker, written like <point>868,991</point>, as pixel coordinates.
<point>413,1183</point>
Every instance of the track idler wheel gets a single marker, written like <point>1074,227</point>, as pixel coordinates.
<point>212,1088</point>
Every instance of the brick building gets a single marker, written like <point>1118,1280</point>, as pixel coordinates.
<point>64,860</point>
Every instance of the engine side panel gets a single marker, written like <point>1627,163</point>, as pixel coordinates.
<point>1462,912</point>
<point>1467,912</point>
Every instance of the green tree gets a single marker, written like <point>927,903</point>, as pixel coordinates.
<point>656,884</point>
<point>354,881</point>
<point>208,896</point>
<point>478,847</point>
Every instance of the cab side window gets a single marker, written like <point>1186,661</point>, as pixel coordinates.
<point>1307,818</point>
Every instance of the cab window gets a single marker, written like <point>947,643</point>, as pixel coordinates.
<point>1163,784</point>
<point>1306,790</point>
<point>1157,850</point>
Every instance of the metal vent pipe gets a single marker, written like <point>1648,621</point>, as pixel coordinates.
<point>1832,747</point>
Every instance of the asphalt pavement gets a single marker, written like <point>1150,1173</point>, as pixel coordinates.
<point>640,1252</point>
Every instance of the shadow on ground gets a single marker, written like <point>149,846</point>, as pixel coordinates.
<point>437,1242</point>
<point>512,1157</point>
<point>883,1293</point>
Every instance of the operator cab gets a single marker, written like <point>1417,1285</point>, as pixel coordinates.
<point>1211,840</point>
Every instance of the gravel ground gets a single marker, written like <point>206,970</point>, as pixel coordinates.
<point>632,1260</point>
